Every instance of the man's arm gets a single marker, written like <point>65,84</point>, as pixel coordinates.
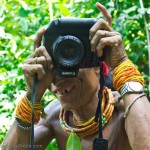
<point>18,138</point>
<point>137,122</point>
<point>104,40</point>
<point>43,131</point>
<point>15,137</point>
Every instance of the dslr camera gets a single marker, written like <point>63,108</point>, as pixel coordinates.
<point>67,42</point>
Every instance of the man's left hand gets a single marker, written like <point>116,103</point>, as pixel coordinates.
<point>105,41</point>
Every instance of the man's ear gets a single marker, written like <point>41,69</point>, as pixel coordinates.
<point>97,70</point>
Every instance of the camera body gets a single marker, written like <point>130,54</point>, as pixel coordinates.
<point>67,42</point>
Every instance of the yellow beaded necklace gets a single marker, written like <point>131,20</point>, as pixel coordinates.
<point>90,127</point>
<point>81,123</point>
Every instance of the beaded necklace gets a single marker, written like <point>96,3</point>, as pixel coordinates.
<point>90,127</point>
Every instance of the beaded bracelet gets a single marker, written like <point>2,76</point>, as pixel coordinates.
<point>24,110</point>
<point>129,107</point>
<point>125,72</point>
<point>24,127</point>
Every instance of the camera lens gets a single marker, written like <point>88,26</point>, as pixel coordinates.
<point>68,51</point>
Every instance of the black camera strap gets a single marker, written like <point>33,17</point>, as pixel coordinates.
<point>100,143</point>
<point>34,91</point>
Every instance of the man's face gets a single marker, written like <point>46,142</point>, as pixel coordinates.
<point>78,91</point>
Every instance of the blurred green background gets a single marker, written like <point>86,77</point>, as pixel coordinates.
<point>21,19</point>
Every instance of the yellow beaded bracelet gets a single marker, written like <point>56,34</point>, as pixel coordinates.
<point>24,110</point>
<point>125,72</point>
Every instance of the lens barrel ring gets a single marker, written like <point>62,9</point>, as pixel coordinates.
<point>68,51</point>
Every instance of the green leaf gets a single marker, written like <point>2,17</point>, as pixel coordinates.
<point>73,142</point>
<point>52,145</point>
<point>2,32</point>
<point>23,12</point>
<point>24,25</point>
<point>129,10</point>
<point>64,10</point>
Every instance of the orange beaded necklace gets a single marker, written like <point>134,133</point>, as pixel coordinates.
<point>90,127</point>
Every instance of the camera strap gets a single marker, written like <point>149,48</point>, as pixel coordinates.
<point>34,91</point>
<point>100,143</point>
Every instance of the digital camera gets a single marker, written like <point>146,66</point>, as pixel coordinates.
<point>67,42</point>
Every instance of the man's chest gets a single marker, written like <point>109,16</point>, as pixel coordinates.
<point>114,132</point>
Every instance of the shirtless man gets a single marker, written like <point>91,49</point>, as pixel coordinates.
<point>79,96</point>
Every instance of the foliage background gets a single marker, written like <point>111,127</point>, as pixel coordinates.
<point>20,20</point>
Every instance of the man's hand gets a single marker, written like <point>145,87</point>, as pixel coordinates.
<point>104,40</point>
<point>39,62</point>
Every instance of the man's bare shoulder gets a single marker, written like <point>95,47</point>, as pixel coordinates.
<point>52,113</point>
<point>52,110</point>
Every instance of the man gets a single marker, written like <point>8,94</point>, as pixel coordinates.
<point>78,99</point>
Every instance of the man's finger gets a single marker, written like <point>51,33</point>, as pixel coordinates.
<point>41,51</point>
<point>99,25</point>
<point>37,60</point>
<point>38,38</point>
<point>101,34</point>
<point>113,41</point>
<point>30,70</point>
<point>105,13</point>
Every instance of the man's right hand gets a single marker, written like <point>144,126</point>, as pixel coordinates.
<point>39,62</point>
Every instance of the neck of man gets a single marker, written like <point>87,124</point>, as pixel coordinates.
<point>85,112</point>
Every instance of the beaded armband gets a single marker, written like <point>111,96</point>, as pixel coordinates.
<point>24,111</point>
<point>126,72</point>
